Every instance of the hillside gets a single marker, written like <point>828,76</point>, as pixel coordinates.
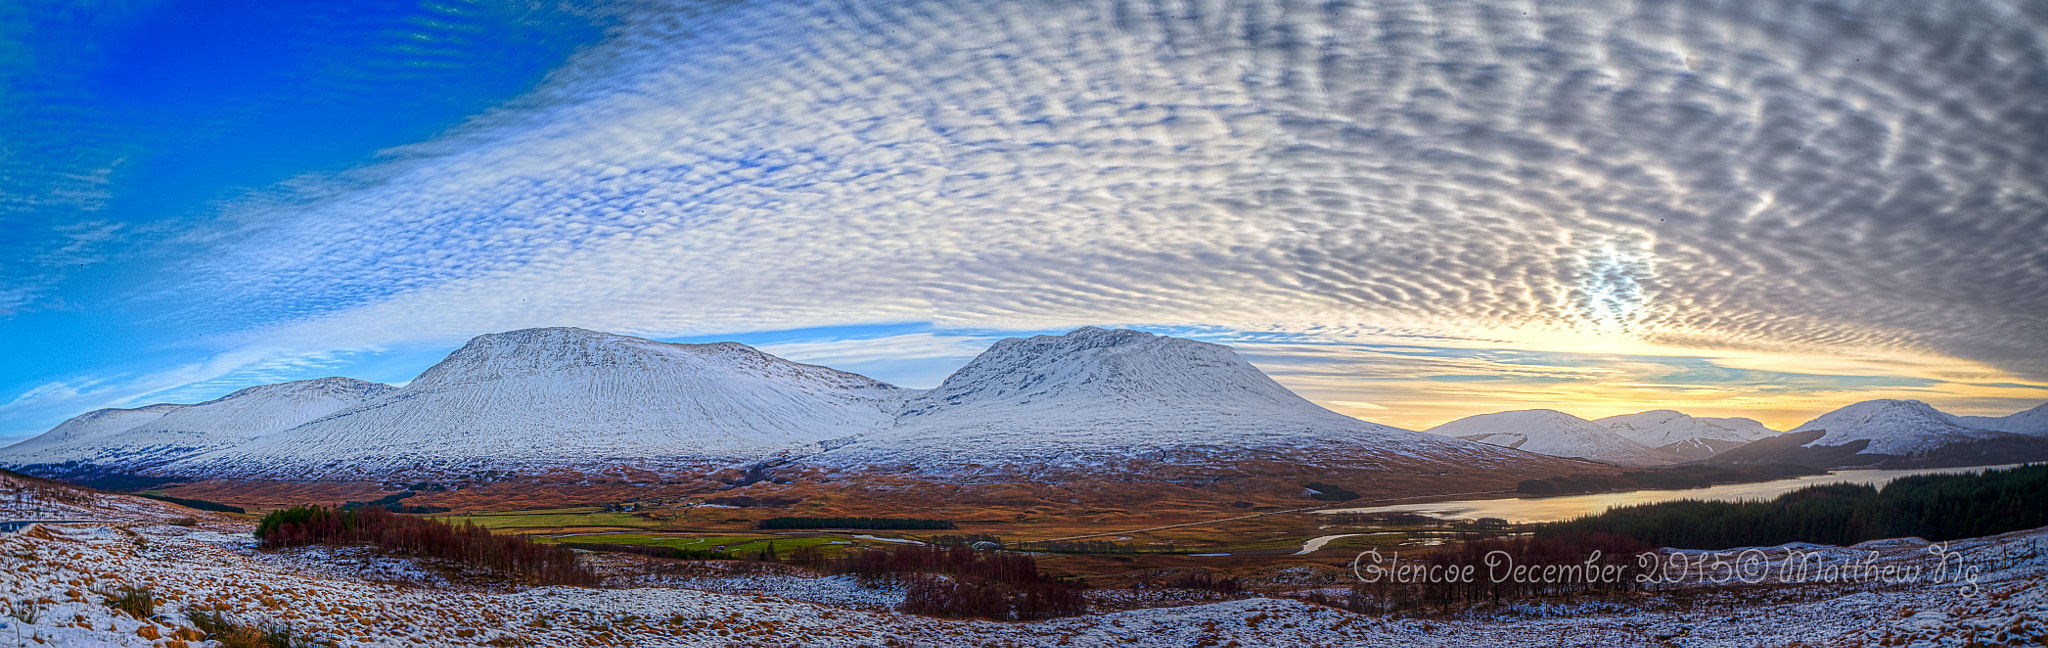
<point>166,433</point>
<point>1691,437</point>
<point>540,399</point>
<point>1554,433</point>
<point>1891,434</point>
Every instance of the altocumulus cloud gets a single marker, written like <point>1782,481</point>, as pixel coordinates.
<point>1769,179</point>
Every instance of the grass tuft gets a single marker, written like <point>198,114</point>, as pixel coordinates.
<point>137,603</point>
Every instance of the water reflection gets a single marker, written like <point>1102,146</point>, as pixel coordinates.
<point>1551,509</point>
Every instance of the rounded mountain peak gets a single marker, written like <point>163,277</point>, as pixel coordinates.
<point>329,386</point>
<point>1095,368</point>
<point>564,351</point>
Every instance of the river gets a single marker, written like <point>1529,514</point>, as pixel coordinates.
<point>1552,509</point>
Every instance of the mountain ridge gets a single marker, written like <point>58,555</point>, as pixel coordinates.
<point>1554,433</point>
<point>1090,401</point>
<point>1691,437</point>
<point>562,396</point>
<point>182,430</point>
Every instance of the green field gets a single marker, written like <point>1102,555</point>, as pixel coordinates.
<point>588,516</point>
<point>736,544</point>
<point>540,523</point>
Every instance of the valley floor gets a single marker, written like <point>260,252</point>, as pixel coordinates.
<point>54,578</point>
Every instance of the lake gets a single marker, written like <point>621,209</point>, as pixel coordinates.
<point>1552,509</point>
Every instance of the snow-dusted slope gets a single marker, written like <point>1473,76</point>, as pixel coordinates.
<point>2032,422</point>
<point>562,397</point>
<point>1686,436</point>
<point>84,429</point>
<point>186,430</point>
<point>1553,433</point>
<point>1097,397</point>
<point>1894,427</point>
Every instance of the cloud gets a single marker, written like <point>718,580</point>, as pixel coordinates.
<point>1419,387</point>
<point>1859,184</point>
<point>913,346</point>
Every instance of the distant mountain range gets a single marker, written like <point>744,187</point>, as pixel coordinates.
<point>1888,433</point>
<point>1555,433</point>
<point>148,437</point>
<point>1690,437</point>
<point>1901,434</point>
<point>1090,404</point>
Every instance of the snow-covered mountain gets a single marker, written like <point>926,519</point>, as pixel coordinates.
<point>1893,427</point>
<point>164,433</point>
<point>1554,433</point>
<point>1691,437</point>
<point>2031,422</point>
<point>83,430</point>
<point>1894,434</point>
<point>1093,400</point>
<point>567,397</point>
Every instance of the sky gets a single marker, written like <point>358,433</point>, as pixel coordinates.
<point>1409,212</point>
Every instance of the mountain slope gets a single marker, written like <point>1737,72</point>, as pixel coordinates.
<point>565,397</point>
<point>1554,433</point>
<point>84,429</point>
<point>1890,434</point>
<point>1690,437</point>
<point>2031,422</point>
<point>181,431</point>
<point>1893,427</point>
<point>1134,405</point>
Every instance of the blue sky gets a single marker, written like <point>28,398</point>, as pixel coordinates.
<point>1407,211</point>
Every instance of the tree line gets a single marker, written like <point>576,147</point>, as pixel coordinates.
<point>1932,507</point>
<point>958,581</point>
<point>467,544</point>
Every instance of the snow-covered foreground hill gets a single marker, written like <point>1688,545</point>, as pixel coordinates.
<point>54,576</point>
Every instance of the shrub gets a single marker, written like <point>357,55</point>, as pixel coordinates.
<point>1203,580</point>
<point>467,544</point>
<point>137,603</point>
<point>26,611</point>
<point>976,583</point>
<point>216,625</point>
<point>957,597</point>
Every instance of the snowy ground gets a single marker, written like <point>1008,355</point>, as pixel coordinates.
<point>52,577</point>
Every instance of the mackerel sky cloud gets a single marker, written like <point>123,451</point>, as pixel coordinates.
<point>1408,211</point>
